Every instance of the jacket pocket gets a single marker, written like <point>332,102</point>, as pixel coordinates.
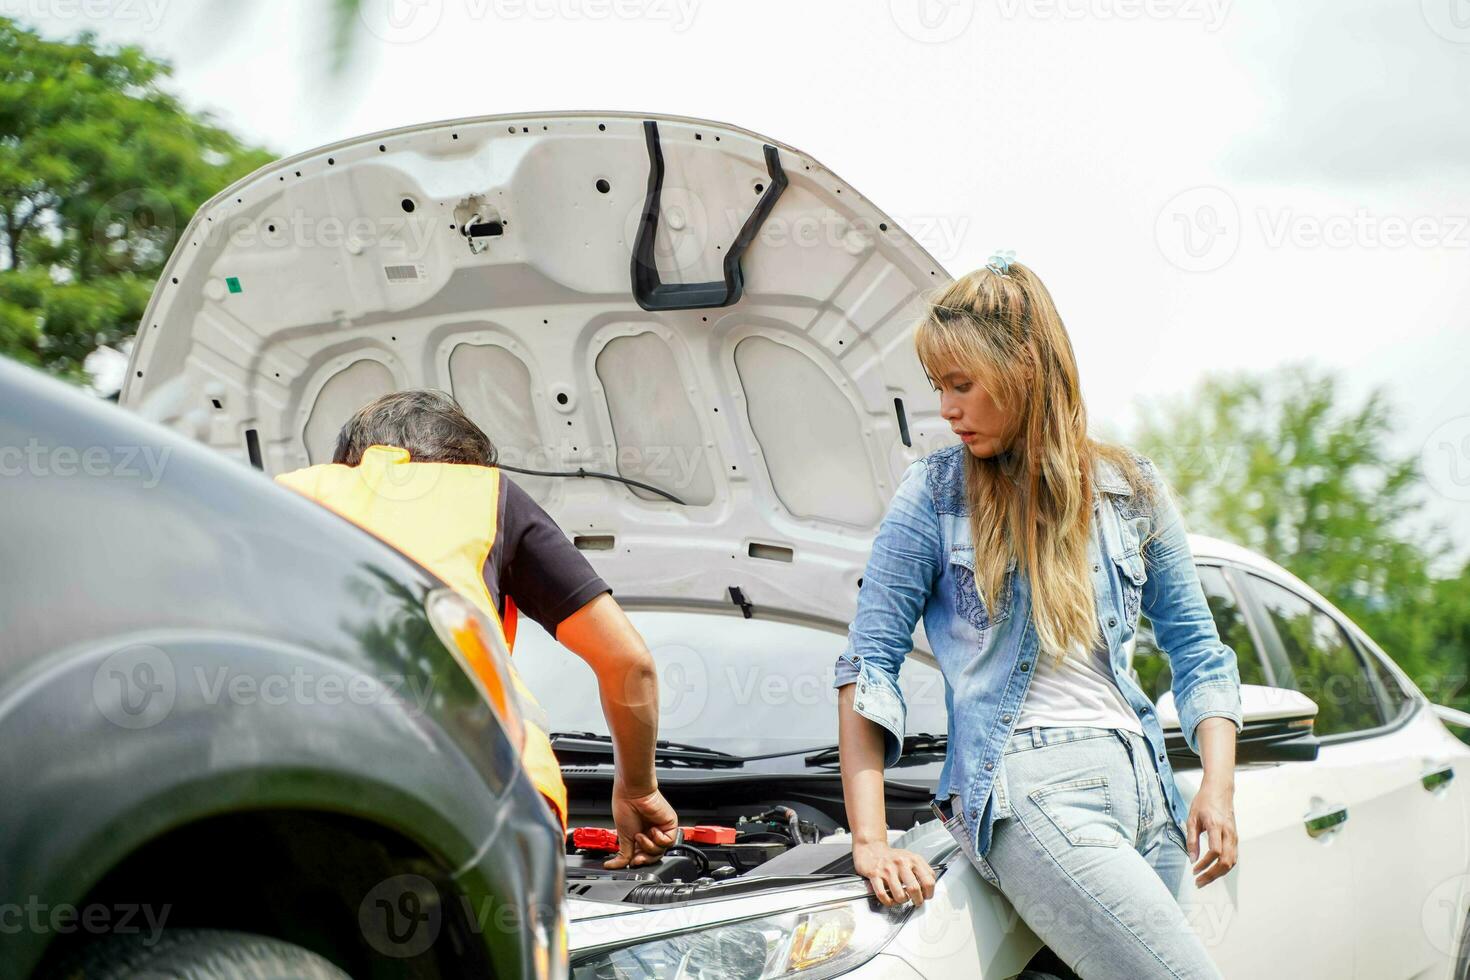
<point>967,601</point>
<point>1082,809</point>
<point>1131,575</point>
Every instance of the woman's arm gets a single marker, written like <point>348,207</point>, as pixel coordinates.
<point>1206,680</point>
<point>871,714</point>
<point>897,875</point>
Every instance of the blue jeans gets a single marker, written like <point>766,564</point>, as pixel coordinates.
<point>1085,850</point>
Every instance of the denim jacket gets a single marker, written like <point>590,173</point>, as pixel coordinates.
<point>922,565</point>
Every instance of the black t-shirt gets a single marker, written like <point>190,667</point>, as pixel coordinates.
<point>535,564</point>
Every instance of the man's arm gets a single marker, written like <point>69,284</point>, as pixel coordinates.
<point>601,634</point>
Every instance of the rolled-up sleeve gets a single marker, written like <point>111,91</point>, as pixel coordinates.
<point>1206,678</point>
<point>897,581</point>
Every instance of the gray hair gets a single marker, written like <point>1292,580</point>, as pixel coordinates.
<point>429,424</point>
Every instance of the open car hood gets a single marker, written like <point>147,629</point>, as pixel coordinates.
<point>679,302</point>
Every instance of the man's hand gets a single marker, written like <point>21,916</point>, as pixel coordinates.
<point>897,875</point>
<point>1213,811</point>
<point>646,825</point>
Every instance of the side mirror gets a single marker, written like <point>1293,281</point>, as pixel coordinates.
<point>1277,727</point>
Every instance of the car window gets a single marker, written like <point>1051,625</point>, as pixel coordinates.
<point>747,686</point>
<point>1325,665</point>
<point>1397,698</point>
<point>1152,666</point>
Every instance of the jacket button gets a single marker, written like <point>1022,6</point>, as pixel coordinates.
<point>989,766</point>
<point>1005,718</point>
<point>1097,568</point>
<point>1161,757</point>
<point>1025,667</point>
<point>1145,709</point>
<point>1112,621</point>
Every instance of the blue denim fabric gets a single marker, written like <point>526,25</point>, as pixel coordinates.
<point>1088,856</point>
<point>922,566</point>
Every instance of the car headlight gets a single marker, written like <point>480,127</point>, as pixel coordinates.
<point>812,943</point>
<point>480,649</point>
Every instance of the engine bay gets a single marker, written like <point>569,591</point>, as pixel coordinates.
<point>753,852</point>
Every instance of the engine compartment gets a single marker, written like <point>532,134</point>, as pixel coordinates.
<point>767,848</point>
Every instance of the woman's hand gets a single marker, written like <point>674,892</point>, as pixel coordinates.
<point>1213,811</point>
<point>897,875</point>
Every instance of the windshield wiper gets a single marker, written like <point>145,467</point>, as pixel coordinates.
<point>919,743</point>
<point>583,747</point>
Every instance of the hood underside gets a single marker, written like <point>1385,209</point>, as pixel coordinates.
<point>681,303</point>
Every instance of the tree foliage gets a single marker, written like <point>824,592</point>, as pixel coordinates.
<point>100,171</point>
<point>1284,464</point>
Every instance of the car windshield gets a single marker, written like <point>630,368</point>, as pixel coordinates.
<point>745,686</point>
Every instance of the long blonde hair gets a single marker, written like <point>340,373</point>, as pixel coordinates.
<point>1033,500</point>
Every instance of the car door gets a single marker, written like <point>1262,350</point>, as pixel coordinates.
<point>1404,817</point>
<point>1286,908</point>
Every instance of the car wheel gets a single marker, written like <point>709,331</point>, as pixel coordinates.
<point>197,954</point>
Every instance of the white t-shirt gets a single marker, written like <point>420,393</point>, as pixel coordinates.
<point>1080,692</point>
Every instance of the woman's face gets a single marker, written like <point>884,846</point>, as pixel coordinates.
<point>971,413</point>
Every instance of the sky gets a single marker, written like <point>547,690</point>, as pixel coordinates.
<point>1204,185</point>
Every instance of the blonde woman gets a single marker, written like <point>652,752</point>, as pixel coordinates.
<point>1029,551</point>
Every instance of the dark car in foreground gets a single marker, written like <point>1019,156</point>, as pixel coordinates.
<point>238,735</point>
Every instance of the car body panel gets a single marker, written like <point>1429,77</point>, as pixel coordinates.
<point>155,628</point>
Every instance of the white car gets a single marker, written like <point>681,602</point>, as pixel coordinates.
<point>699,340</point>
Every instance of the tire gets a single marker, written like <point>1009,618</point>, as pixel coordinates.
<point>196,954</point>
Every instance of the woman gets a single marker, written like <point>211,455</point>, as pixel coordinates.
<point>1029,551</point>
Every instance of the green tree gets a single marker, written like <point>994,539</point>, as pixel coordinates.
<point>100,171</point>
<point>1282,464</point>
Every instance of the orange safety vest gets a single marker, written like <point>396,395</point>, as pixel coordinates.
<point>443,516</point>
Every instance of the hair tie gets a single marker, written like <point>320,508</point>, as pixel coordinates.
<point>1000,262</point>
